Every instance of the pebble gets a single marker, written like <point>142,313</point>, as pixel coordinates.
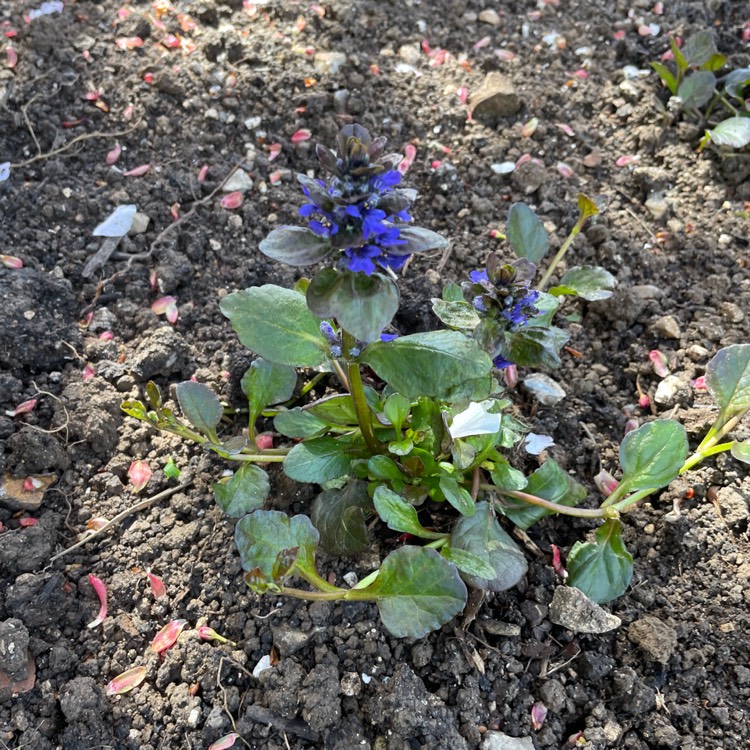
<point>140,223</point>
<point>409,53</point>
<point>211,114</point>
<point>667,326</point>
<point>731,312</point>
<point>240,181</point>
<point>654,637</point>
<point>657,205</point>
<point>14,644</point>
<point>495,97</point>
<point>696,352</point>
<point>530,176</point>
<point>490,16</point>
<point>498,741</point>
<point>572,609</point>
<point>668,391</point>
<point>329,62</point>
<point>647,291</point>
<point>351,684</point>
<point>544,389</point>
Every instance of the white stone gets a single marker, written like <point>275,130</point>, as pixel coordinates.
<point>498,741</point>
<point>240,181</point>
<point>140,223</point>
<point>545,390</point>
<point>490,16</point>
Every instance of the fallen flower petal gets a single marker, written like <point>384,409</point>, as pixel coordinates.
<point>410,152</point>
<point>565,128</point>
<point>88,372</point>
<point>118,223</point>
<point>623,161</point>
<point>262,665</point>
<point>660,363</point>
<point>126,681</point>
<point>162,304</point>
<point>644,401</point>
<point>699,383</point>
<point>506,55</point>
<point>557,563</point>
<point>158,589</point>
<point>203,173</point>
<point>225,742</point>
<point>530,127</point>
<point>209,634</point>
<point>94,524</point>
<point>23,408</point>
<point>139,473</point>
<point>106,336</point>
<point>232,200</point>
<point>535,444</point>
<point>167,636</point>
<point>630,425</point>
<point>301,135</point>
<point>31,484</point>
<point>128,43</point>
<point>274,149</point>
<point>114,155</point>
<point>101,592</point>
<point>137,171</point>
<point>475,420</point>
<point>27,521</point>
<point>538,715</point>
<point>4,174</point>
<point>564,169</point>
<point>12,56</point>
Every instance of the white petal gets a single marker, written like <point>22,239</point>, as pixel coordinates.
<point>118,223</point>
<point>4,171</point>
<point>474,421</point>
<point>535,444</point>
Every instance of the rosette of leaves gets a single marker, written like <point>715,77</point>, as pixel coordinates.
<point>357,221</point>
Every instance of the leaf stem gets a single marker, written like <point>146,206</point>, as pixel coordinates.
<point>358,394</point>
<point>549,505</point>
<point>258,458</point>
<point>325,596</point>
<point>561,252</point>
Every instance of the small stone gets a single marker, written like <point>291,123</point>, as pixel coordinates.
<point>253,122</point>
<point>647,291</point>
<point>670,391</point>
<point>289,641</point>
<point>329,62</point>
<point>731,312</point>
<point>572,609</point>
<point>497,627</point>
<point>529,176</point>
<point>696,352</point>
<point>657,205</point>
<point>239,182</point>
<point>734,506</point>
<point>498,741</point>
<point>409,53</point>
<point>140,223</point>
<point>351,684</point>
<point>490,16</point>
<point>654,637</point>
<point>667,326</point>
<point>14,646</point>
<point>211,114</point>
<point>544,389</point>
<point>495,97</point>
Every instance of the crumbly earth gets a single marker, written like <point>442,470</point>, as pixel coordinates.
<point>245,76</point>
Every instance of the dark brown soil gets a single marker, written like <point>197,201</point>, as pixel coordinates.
<point>679,679</point>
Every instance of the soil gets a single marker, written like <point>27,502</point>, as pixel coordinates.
<point>676,674</point>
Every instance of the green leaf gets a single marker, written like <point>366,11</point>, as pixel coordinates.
<point>384,467</point>
<point>699,49</point>
<point>200,405</point>
<point>468,563</point>
<point>483,536</point>
<point>736,83</point>
<point>399,515</point>
<point>295,246</point>
<point>460,315</point>
<point>416,591</point>
<point>733,132</point>
<point>267,383</point>
<point>262,535</point>
<point>652,456</point>
<point>741,451</point>
<point>728,379</point>
<point>666,76</point>
<point>335,410</point>
<point>363,305</point>
<point>275,323</point>
<point>526,233</point>
<point>135,409</point>
<point>590,282</point>
<point>549,482</point>
<point>601,569</point>
<point>244,492</point>
<point>459,497</point>
<point>537,347</point>
<point>679,58</point>
<point>697,89</point>
<point>297,423</point>
<point>586,207</point>
<point>505,477</point>
<point>396,409</point>
<point>419,240</point>
<point>401,447</point>
<point>321,459</point>
<point>452,292</point>
<point>547,305</point>
<point>339,517</point>
<point>439,364</point>
<point>717,62</point>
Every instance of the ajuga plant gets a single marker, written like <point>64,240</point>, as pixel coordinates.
<point>414,438</point>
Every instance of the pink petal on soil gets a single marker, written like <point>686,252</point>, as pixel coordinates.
<point>274,149</point>
<point>31,484</point>
<point>174,211</point>
<point>410,152</point>
<point>301,135</point>
<point>225,742</point>
<point>128,112</point>
<point>27,521</point>
<point>162,304</point>
<point>623,161</point>
<point>660,363</point>
<point>137,171</point>
<point>538,715</point>
<point>209,634</point>
<point>10,261</point>
<point>171,41</point>
<point>139,473</point>
<point>172,314</point>
<point>510,375</point>
<point>167,636</point>
<point>232,200</point>
<point>106,336</point>
<point>129,42</point>
<point>565,128</point>
<point>564,169</point>
<point>12,56</point>
<point>88,372</point>
<point>203,173</point>
<point>275,177</point>
<point>506,55</point>
<point>530,127</point>
<point>699,383</point>
<point>483,42</point>
<point>158,589</point>
<point>463,94</point>
<point>126,681</point>
<point>114,155</point>
<point>153,280</point>
<point>436,164</point>
<point>592,159</point>
<point>101,592</point>
<point>557,563</point>
<point>618,35</point>
<point>658,9</point>
<point>264,441</point>
<point>23,408</point>
<point>630,425</point>
<point>92,96</point>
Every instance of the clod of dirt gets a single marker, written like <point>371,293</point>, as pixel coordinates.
<point>529,176</point>
<point>160,353</point>
<point>496,97</point>
<point>28,549</point>
<point>83,705</point>
<point>289,640</point>
<point>94,411</point>
<point>499,741</point>
<point>14,644</point>
<point>655,637</point>
<point>572,609</point>
<point>321,705</point>
<point>734,506</point>
<point>34,452</point>
<point>37,600</point>
<point>38,316</point>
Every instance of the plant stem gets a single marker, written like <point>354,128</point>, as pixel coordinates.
<point>549,505</point>
<point>633,499</point>
<point>438,543</point>
<point>325,596</point>
<point>706,448</point>
<point>561,253</point>
<point>307,387</point>
<point>258,458</point>
<point>358,394</point>
<point>315,579</point>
